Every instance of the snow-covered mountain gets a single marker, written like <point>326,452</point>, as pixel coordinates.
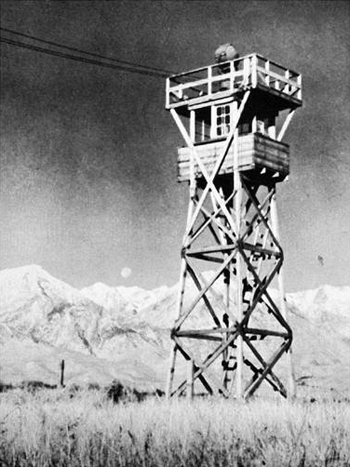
<point>134,305</point>
<point>41,316</point>
<point>105,333</point>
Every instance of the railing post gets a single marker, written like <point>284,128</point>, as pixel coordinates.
<point>254,70</point>
<point>232,76</point>
<point>167,91</point>
<point>192,126</point>
<point>209,81</point>
<point>267,73</point>
<point>212,119</point>
<point>286,88</point>
<point>246,70</point>
<point>299,86</point>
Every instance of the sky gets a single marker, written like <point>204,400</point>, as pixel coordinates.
<point>88,184</point>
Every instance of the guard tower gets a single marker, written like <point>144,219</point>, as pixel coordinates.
<point>232,330</point>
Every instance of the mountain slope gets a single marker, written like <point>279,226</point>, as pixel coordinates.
<point>44,319</point>
<point>105,333</point>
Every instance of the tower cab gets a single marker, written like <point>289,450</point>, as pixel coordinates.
<point>207,101</point>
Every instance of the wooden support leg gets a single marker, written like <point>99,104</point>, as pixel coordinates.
<point>282,298</point>
<point>172,360</point>
<point>190,380</point>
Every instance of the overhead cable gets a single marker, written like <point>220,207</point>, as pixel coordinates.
<point>92,54</point>
<point>56,53</point>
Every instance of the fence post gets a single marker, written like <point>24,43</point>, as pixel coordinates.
<point>62,373</point>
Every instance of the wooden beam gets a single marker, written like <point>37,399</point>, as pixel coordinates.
<point>213,292</point>
<point>202,293</point>
<point>209,218</point>
<point>197,336</point>
<point>202,379</point>
<point>262,291</point>
<point>259,210</point>
<point>266,332</point>
<point>170,379</point>
<point>212,217</point>
<point>207,362</point>
<point>205,298</point>
<point>212,249</point>
<point>285,125</point>
<point>258,249</point>
<point>205,257</point>
<point>268,369</point>
<point>282,298</point>
<point>264,364</point>
<point>190,380</point>
<point>257,218</point>
<point>210,179</point>
<point>257,371</point>
<point>239,298</point>
<point>220,330</point>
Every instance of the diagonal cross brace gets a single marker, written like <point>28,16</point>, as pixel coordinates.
<point>260,213</point>
<point>183,317</point>
<point>210,179</point>
<point>209,218</point>
<point>208,361</point>
<point>268,370</point>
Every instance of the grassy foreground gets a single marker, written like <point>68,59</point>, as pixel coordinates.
<point>54,428</point>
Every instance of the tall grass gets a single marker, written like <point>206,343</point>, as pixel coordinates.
<point>54,428</point>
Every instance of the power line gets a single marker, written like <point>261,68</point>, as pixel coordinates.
<point>131,69</point>
<point>92,54</point>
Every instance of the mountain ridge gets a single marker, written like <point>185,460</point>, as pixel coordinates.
<point>107,333</point>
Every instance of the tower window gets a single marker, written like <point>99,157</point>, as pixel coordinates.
<point>223,120</point>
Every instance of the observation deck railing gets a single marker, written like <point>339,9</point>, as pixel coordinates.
<point>224,79</point>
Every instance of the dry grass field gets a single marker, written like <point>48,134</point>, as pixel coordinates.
<point>85,428</point>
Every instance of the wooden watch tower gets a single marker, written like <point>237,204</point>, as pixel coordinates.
<point>231,330</point>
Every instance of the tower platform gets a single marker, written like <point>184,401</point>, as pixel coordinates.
<point>274,86</point>
<point>255,151</point>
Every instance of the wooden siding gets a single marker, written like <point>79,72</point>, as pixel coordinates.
<point>254,151</point>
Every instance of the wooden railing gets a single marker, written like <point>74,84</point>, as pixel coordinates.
<point>223,79</point>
